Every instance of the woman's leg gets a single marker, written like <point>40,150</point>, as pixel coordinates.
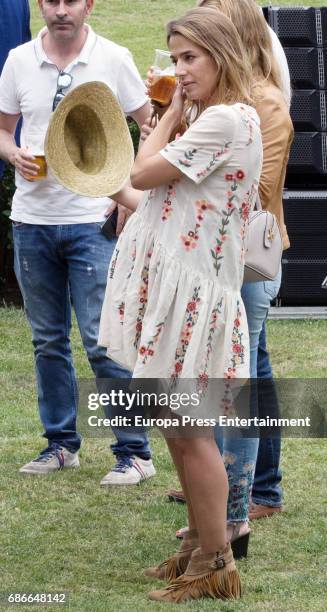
<point>211,570</point>
<point>177,457</point>
<point>204,481</point>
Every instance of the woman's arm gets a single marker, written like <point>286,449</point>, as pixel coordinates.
<point>150,168</point>
<point>276,129</point>
<point>128,197</point>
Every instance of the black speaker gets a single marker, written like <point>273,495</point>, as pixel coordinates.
<point>304,281</point>
<point>308,67</point>
<point>309,110</point>
<point>306,212</point>
<point>308,154</point>
<point>298,26</point>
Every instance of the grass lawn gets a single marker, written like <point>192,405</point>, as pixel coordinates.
<point>140,24</point>
<point>64,533</point>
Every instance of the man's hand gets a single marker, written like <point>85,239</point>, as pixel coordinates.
<point>123,216</point>
<point>148,127</point>
<point>22,159</point>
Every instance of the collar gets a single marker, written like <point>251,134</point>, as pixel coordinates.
<point>83,57</point>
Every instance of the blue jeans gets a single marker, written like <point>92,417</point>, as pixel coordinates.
<point>266,487</point>
<point>58,266</point>
<point>240,454</point>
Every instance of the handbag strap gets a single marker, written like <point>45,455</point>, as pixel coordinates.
<point>258,205</point>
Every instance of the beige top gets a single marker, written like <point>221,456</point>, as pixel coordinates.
<point>277,136</point>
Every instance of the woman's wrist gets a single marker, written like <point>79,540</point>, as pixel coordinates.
<point>172,119</point>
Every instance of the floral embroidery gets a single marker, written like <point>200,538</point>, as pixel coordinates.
<point>188,158</point>
<point>143,298</point>
<point>229,458</point>
<point>191,317</point>
<point>230,373</point>
<point>244,212</point>
<point>133,257</point>
<point>150,197</point>
<point>203,378</point>
<point>121,311</point>
<point>113,264</point>
<point>238,348</point>
<point>148,350</point>
<point>215,158</point>
<point>216,252</point>
<point>227,404</point>
<point>247,120</point>
<point>240,478</point>
<point>167,207</point>
<point>191,240</point>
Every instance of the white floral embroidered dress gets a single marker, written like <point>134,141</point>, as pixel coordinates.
<point>173,306</point>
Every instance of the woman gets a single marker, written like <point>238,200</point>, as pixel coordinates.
<point>173,296</point>
<point>277,134</point>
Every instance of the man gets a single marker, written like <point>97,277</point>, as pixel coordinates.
<point>61,257</point>
<point>14,31</point>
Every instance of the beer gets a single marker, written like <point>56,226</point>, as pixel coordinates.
<point>40,161</point>
<point>162,88</point>
<point>163,80</point>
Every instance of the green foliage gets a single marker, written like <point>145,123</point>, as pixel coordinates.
<point>135,133</point>
<point>7,188</point>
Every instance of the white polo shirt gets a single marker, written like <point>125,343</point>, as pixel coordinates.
<point>28,85</point>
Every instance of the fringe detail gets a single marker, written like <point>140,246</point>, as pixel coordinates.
<point>176,566</point>
<point>221,584</point>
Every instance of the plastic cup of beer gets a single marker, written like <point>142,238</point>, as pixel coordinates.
<point>40,161</point>
<point>163,78</point>
<point>36,149</point>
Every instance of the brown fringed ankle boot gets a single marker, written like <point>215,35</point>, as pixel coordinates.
<point>175,566</point>
<point>208,575</point>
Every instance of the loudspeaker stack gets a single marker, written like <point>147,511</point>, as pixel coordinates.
<point>303,33</point>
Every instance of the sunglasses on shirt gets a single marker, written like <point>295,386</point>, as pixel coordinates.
<point>64,81</point>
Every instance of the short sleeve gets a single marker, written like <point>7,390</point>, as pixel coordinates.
<point>206,145</point>
<point>9,102</point>
<point>131,89</point>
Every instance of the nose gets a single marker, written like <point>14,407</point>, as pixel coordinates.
<point>180,70</point>
<point>61,10</point>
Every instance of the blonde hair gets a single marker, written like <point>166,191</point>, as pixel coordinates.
<point>251,25</point>
<point>215,33</point>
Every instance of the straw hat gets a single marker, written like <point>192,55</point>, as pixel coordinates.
<point>88,145</point>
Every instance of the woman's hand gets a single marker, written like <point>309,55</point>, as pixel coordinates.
<point>177,105</point>
<point>160,109</point>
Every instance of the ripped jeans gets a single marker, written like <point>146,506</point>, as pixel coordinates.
<point>240,454</point>
<point>58,266</point>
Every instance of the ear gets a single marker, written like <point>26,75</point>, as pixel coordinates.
<point>89,6</point>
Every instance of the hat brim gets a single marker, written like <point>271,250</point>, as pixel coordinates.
<point>88,145</point>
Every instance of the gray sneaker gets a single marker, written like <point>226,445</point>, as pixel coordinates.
<point>129,471</point>
<point>51,459</point>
